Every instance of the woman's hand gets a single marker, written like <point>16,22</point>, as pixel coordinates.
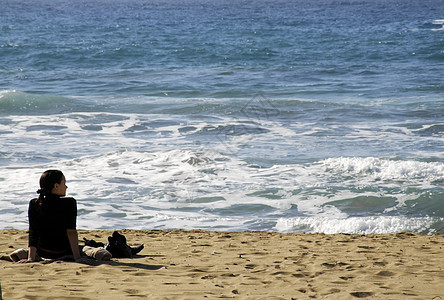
<point>25,261</point>
<point>31,256</point>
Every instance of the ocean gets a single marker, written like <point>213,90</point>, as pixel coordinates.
<point>274,115</point>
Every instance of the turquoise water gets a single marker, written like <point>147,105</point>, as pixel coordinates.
<point>316,116</point>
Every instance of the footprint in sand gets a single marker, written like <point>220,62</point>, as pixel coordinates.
<point>385,273</point>
<point>361,294</point>
<point>250,266</point>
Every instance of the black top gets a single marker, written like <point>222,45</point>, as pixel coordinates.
<point>48,223</point>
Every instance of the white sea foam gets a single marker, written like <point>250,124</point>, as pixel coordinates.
<point>6,92</point>
<point>385,169</point>
<point>121,169</point>
<point>205,189</point>
<point>355,225</point>
<point>438,22</point>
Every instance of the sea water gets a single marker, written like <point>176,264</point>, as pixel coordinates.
<point>276,115</point>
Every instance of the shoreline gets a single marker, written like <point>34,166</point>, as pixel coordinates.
<point>198,264</point>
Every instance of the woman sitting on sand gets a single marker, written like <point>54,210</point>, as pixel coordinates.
<point>52,221</point>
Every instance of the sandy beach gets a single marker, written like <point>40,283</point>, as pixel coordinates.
<point>239,265</point>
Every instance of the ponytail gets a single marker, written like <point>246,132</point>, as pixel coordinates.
<point>41,197</point>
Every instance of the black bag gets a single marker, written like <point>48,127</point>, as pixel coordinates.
<point>93,243</point>
<point>118,247</point>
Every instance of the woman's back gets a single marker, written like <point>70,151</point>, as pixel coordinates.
<point>49,221</point>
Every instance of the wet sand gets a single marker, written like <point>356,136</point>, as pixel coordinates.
<point>237,265</point>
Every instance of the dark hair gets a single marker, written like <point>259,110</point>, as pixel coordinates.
<point>47,181</point>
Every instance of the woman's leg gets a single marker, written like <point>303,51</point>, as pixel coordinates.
<point>98,253</point>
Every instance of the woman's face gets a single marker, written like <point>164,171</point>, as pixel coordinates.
<point>60,188</point>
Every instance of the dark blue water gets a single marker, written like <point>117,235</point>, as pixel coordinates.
<point>272,115</point>
<point>336,49</point>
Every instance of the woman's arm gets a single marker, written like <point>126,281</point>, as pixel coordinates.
<point>73,238</point>
<point>33,234</point>
<point>32,253</point>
